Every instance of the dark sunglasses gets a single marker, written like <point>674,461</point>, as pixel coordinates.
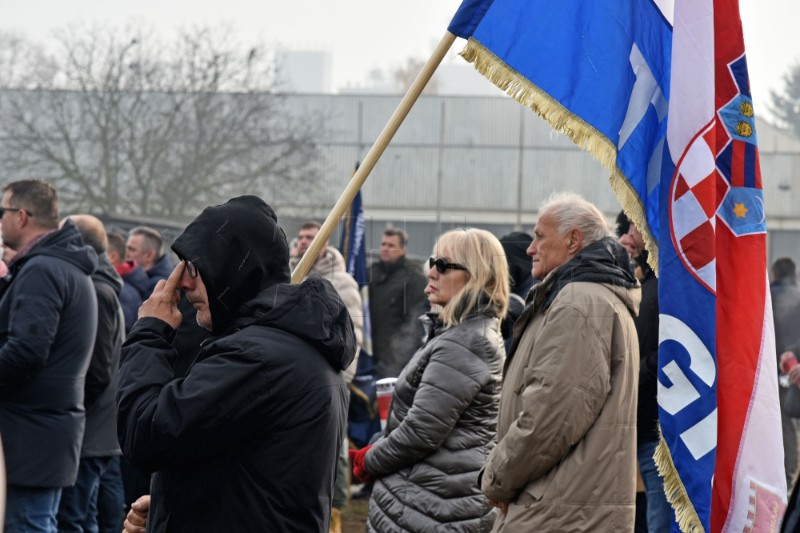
<point>442,265</point>
<point>190,268</point>
<point>3,210</point>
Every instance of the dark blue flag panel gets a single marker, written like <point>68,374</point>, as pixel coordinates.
<point>362,420</point>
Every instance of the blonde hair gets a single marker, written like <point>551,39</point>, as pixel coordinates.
<point>487,273</point>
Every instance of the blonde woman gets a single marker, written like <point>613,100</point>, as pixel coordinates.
<point>443,415</point>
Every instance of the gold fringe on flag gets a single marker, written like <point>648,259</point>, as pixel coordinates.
<point>685,513</point>
<point>588,138</point>
<point>562,120</point>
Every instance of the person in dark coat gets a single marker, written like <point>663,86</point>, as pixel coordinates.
<point>248,439</point>
<point>659,513</point>
<point>135,282</point>
<point>145,246</point>
<point>785,297</point>
<point>79,509</point>
<point>396,301</point>
<point>442,419</point>
<point>48,320</point>
<point>515,246</point>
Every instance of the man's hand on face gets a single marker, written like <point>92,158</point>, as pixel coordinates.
<point>163,303</point>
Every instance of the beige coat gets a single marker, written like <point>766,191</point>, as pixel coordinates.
<point>566,452</point>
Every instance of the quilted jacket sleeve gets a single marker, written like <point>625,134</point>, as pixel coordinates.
<point>452,378</point>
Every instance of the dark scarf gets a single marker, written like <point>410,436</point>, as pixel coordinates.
<point>604,261</point>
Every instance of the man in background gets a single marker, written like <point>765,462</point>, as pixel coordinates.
<point>135,283</point>
<point>146,246</point>
<point>396,300</point>
<point>786,315</point>
<point>81,508</point>
<point>659,513</point>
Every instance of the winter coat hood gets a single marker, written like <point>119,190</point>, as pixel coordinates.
<point>311,311</point>
<point>66,244</point>
<point>239,249</point>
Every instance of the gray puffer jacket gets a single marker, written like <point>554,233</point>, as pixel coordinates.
<point>441,429</point>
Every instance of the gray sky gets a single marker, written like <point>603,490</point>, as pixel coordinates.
<point>367,34</point>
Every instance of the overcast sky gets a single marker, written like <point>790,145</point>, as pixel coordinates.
<point>367,34</point>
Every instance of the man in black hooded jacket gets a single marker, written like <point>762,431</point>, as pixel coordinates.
<point>248,439</point>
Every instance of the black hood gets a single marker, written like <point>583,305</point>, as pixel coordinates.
<point>515,245</point>
<point>66,244</point>
<point>239,250</point>
<point>311,311</point>
<point>604,261</point>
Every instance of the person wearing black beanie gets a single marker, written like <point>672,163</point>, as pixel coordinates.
<point>515,245</point>
<point>248,439</point>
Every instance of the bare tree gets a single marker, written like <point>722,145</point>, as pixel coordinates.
<point>123,123</point>
<point>405,75</point>
<point>785,105</point>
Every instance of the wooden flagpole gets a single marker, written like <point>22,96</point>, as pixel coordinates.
<point>358,179</point>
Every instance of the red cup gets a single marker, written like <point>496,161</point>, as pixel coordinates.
<point>385,391</point>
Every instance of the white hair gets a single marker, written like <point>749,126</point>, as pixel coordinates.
<point>570,211</point>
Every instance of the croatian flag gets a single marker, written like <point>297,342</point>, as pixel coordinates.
<point>660,94</point>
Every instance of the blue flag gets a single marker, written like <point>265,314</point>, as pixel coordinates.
<point>662,100</point>
<point>599,75</point>
<point>362,420</point>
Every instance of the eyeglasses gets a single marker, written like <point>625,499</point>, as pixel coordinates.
<point>190,269</point>
<point>4,209</point>
<point>442,265</point>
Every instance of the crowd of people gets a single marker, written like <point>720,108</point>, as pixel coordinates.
<point>210,394</point>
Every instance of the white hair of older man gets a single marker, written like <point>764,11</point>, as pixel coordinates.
<point>572,211</point>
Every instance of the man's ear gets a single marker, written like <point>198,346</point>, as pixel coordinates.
<point>575,241</point>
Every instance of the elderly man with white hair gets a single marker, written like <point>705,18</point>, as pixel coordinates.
<point>565,458</point>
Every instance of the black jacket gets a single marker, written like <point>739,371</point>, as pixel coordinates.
<point>647,330</point>
<point>160,270</point>
<point>397,300</point>
<point>248,439</point>
<point>135,290</point>
<point>100,438</point>
<point>48,318</point>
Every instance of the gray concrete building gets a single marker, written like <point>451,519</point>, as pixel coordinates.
<point>476,161</point>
